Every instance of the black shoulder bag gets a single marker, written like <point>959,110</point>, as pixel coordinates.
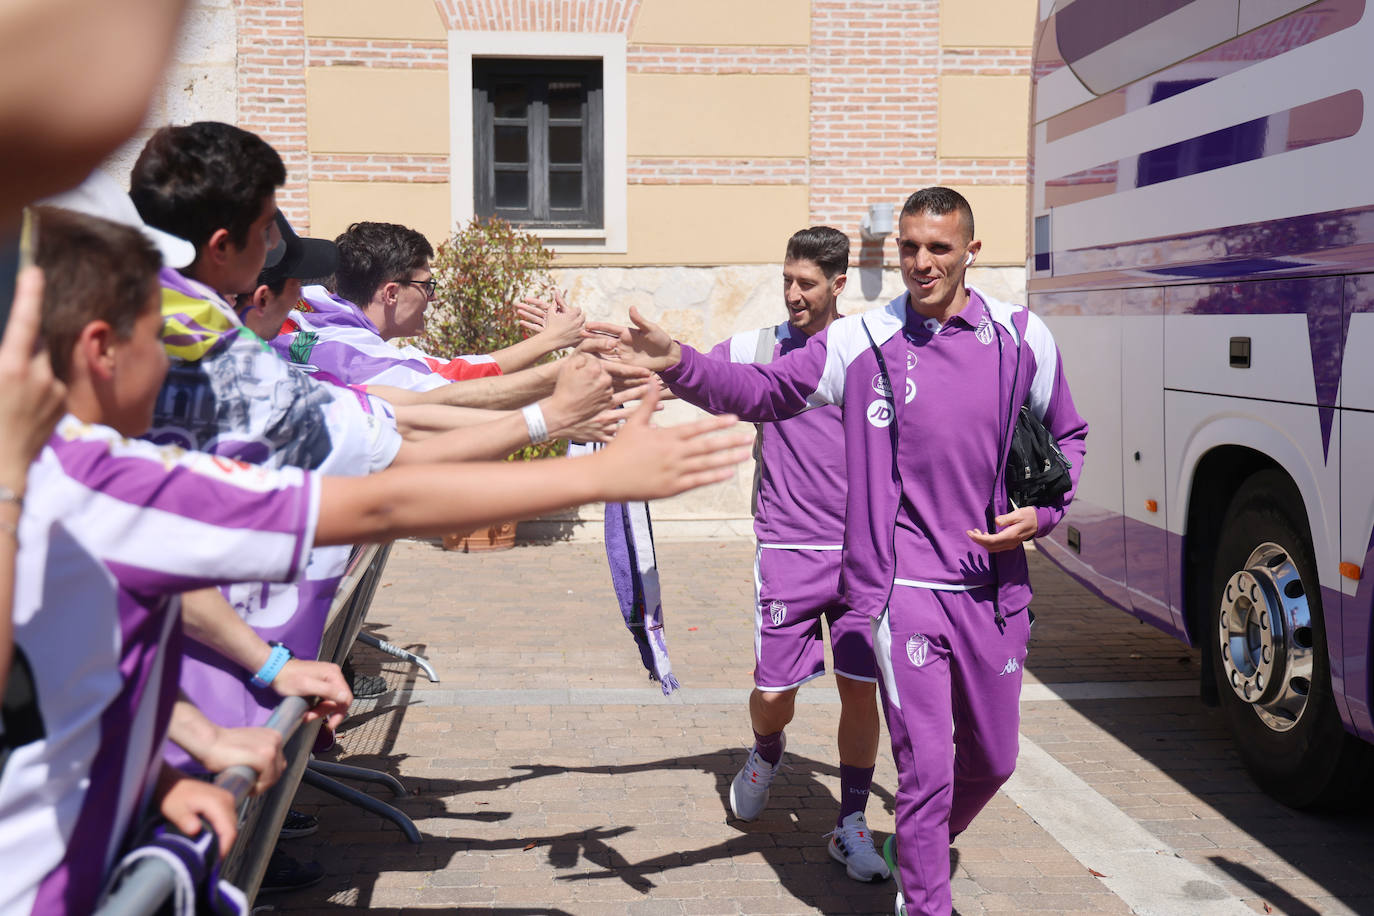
<point>1037,471</point>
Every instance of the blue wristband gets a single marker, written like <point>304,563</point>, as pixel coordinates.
<point>272,667</point>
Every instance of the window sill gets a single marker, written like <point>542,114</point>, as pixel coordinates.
<point>576,241</point>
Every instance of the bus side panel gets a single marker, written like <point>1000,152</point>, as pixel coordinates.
<point>1352,677</point>
<point>1350,674</point>
<point>1089,343</point>
<point>1149,574</point>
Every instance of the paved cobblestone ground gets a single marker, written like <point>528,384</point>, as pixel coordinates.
<point>548,778</point>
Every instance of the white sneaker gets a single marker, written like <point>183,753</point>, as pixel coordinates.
<point>749,791</point>
<point>852,845</point>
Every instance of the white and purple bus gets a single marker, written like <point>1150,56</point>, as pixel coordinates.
<point>1202,228</point>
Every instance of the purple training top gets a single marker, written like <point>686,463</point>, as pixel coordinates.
<point>800,487</point>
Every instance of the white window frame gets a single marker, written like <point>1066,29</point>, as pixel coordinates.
<point>610,50</point>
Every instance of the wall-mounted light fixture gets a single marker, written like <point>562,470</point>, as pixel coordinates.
<point>877,223</point>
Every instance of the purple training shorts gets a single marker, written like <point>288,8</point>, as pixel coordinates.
<point>794,590</point>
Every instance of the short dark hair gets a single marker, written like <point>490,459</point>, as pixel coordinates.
<point>194,180</point>
<point>94,270</point>
<point>827,248</point>
<point>938,201</point>
<point>275,287</point>
<point>371,254</point>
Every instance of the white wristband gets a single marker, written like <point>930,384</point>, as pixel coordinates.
<point>534,422</point>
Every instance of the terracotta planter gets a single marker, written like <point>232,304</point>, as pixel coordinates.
<point>497,537</point>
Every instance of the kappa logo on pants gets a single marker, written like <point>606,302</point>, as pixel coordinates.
<point>778,612</point>
<point>1011,667</point>
<point>917,649</point>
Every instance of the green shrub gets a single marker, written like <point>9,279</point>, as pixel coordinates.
<point>483,269</point>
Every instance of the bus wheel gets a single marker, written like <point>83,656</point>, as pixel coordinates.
<point>1268,644</point>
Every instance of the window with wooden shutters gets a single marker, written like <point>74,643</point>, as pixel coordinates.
<point>537,141</point>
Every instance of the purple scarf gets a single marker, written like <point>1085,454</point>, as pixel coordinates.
<point>634,573</point>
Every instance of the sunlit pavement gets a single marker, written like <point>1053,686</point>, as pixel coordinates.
<point>548,776</point>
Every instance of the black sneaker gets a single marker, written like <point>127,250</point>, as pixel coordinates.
<point>298,824</point>
<point>364,686</point>
<point>368,686</point>
<point>287,874</point>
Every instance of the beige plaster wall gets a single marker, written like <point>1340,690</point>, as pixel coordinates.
<point>694,114</point>
<point>415,19</point>
<point>722,22</point>
<point>987,23</point>
<point>983,117</point>
<point>336,204</point>
<point>706,224</point>
<point>377,110</point>
<point>1000,221</point>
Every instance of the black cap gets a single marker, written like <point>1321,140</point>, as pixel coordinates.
<point>297,258</point>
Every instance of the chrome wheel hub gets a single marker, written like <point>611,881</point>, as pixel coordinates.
<point>1265,633</point>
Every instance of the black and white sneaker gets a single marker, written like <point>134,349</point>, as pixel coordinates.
<point>298,824</point>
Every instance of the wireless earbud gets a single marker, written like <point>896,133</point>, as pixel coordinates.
<point>968,259</point>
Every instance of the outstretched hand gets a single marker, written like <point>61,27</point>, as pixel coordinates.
<point>1015,527</point>
<point>582,391</point>
<point>560,323</point>
<point>648,345</point>
<point>653,462</point>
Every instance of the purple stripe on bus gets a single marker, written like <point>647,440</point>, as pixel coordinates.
<point>1317,21</point>
<point>1086,26</point>
<point>1336,117</point>
<point>1326,242</point>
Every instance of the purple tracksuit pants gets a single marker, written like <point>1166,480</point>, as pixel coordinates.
<point>950,676</point>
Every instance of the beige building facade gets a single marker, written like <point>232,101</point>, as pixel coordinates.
<point>721,127</point>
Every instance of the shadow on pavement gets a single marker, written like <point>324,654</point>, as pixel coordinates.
<point>788,837</point>
<point>1263,845</point>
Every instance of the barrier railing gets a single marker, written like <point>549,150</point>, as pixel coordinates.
<point>152,880</point>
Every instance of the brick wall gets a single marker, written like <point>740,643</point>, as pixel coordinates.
<point>538,15</point>
<point>874,69</point>
<point>271,92</point>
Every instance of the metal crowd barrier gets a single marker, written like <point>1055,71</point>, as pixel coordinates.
<point>146,887</point>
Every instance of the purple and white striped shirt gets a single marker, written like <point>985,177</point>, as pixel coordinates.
<point>112,531</point>
<point>331,334</point>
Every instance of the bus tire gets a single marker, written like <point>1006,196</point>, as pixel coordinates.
<point>1267,640</point>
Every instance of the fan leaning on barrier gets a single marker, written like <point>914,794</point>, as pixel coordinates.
<point>168,866</point>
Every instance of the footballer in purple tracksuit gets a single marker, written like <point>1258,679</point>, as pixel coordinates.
<point>925,468</point>
<point>799,505</point>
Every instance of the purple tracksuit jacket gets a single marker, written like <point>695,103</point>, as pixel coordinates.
<point>838,366</point>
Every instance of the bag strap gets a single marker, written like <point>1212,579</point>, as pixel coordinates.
<point>763,350</point>
<point>763,353</point>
